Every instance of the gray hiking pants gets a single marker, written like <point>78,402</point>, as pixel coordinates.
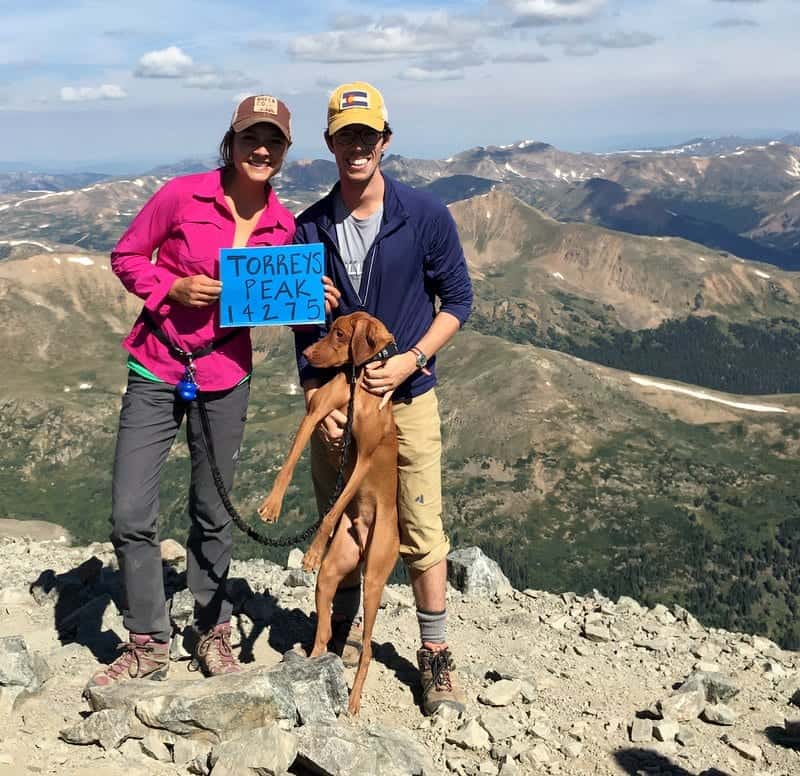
<point>149,421</point>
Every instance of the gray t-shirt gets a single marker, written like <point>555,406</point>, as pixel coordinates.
<point>355,236</point>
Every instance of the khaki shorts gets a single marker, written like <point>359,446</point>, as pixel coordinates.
<point>423,542</point>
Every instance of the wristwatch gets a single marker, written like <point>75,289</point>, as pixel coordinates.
<point>422,359</point>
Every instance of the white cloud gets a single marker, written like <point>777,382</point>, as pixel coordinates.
<point>390,38</point>
<point>535,12</point>
<point>174,63</point>
<point>260,43</point>
<point>90,93</point>
<point>620,39</point>
<point>521,56</point>
<point>377,43</point>
<point>732,22</point>
<point>344,21</point>
<point>170,62</point>
<point>588,44</point>
<point>455,59</point>
<point>218,79</point>
<point>424,74</point>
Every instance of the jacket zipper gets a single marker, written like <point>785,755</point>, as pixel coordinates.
<point>370,255</point>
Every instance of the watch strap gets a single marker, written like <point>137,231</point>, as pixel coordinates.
<point>422,360</point>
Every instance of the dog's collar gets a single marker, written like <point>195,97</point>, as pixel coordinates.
<point>387,352</point>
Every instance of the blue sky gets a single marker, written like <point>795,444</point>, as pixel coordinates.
<point>156,81</point>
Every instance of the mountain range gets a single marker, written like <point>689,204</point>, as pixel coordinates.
<point>729,195</point>
<point>620,412</point>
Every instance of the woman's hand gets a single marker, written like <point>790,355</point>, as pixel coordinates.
<point>332,295</point>
<point>332,428</point>
<point>195,291</point>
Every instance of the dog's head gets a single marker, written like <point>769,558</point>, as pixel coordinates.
<point>353,339</point>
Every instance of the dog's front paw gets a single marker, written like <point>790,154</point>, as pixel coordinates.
<point>270,509</point>
<point>312,560</point>
<point>354,706</point>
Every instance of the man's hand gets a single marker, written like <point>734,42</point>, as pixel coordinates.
<point>195,291</point>
<point>381,378</point>
<point>332,295</point>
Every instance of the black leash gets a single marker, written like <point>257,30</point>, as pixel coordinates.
<point>187,390</point>
<point>284,541</point>
<point>179,353</point>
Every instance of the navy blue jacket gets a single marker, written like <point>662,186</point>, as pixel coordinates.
<point>416,258</point>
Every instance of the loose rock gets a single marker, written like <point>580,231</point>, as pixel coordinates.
<point>641,730</point>
<point>473,573</point>
<point>471,735</point>
<point>109,728</point>
<point>263,750</point>
<point>719,714</point>
<point>749,751</point>
<point>502,693</point>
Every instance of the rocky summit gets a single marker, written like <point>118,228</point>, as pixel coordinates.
<point>556,684</point>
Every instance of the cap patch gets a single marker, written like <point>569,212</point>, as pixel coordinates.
<point>265,104</point>
<point>354,99</point>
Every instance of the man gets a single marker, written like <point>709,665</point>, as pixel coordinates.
<point>391,251</point>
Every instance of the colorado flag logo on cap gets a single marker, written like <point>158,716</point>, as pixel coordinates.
<point>354,99</point>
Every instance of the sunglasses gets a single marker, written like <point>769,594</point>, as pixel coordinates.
<point>350,136</point>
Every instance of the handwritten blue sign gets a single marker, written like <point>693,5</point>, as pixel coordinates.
<point>272,285</point>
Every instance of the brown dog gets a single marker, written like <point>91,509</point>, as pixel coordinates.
<point>370,492</point>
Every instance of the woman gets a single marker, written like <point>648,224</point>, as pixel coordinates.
<point>188,221</point>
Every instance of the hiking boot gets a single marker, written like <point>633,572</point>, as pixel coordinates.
<point>141,658</point>
<point>439,684</point>
<point>213,653</point>
<point>347,641</point>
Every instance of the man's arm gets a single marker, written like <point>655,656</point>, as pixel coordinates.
<point>396,370</point>
<point>447,268</point>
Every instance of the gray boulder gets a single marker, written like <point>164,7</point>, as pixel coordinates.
<point>267,750</point>
<point>683,705</point>
<point>473,573</point>
<point>299,578</point>
<point>717,687</point>
<point>109,728</point>
<point>338,750</point>
<point>719,714</point>
<point>298,689</point>
<point>181,609</point>
<point>21,671</point>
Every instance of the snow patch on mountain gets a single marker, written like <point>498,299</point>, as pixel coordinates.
<point>82,260</point>
<point>510,169</point>
<point>12,243</point>
<point>705,396</point>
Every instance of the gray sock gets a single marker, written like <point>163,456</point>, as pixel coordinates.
<point>432,626</point>
<point>347,604</point>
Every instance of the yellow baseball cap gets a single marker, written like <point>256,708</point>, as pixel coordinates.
<point>356,103</point>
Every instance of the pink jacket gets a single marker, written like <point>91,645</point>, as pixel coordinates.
<point>188,221</point>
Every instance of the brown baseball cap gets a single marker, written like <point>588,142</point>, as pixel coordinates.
<point>262,108</point>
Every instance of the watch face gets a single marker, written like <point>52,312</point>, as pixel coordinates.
<point>422,359</point>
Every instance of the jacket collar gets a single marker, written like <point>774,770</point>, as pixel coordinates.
<point>209,189</point>
<point>394,214</point>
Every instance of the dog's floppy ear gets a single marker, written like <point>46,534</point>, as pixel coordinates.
<point>370,336</point>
